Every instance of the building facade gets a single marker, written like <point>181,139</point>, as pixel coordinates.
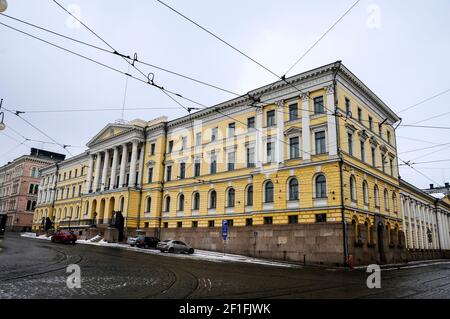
<point>303,169</point>
<point>19,186</point>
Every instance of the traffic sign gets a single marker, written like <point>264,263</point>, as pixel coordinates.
<point>224,229</point>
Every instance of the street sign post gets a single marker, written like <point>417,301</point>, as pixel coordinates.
<point>224,233</point>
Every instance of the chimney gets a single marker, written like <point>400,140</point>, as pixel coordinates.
<point>431,186</point>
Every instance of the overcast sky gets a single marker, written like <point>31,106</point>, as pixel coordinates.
<point>398,49</point>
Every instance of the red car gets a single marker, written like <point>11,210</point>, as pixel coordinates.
<point>64,236</point>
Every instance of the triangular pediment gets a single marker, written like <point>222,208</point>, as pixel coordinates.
<point>293,130</point>
<point>110,131</point>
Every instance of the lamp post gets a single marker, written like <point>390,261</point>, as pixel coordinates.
<point>3,5</point>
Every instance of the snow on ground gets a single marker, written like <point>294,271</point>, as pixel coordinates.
<point>198,254</point>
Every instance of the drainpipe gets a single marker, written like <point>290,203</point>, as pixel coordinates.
<point>341,162</point>
<point>142,180</point>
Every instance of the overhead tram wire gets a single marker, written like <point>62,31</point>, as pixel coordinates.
<point>323,36</point>
<point>424,101</point>
<point>101,64</point>
<point>125,56</point>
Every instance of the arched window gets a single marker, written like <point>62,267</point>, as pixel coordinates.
<point>386,200</point>
<point>181,203</point>
<point>65,212</point>
<point>366,193</point>
<point>213,199</point>
<point>376,194</point>
<point>77,211</point>
<point>148,204</point>
<point>167,207</point>
<point>29,205</point>
<point>293,189</point>
<point>122,204</point>
<point>196,201</point>
<point>250,195</point>
<point>87,208</point>
<point>33,205</point>
<point>268,192</point>
<point>321,186</point>
<point>352,189</point>
<point>71,212</point>
<point>394,202</point>
<point>230,197</point>
<point>59,214</point>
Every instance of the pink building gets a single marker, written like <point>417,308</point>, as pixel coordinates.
<point>19,182</point>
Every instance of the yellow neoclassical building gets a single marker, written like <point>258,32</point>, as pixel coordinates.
<point>304,169</point>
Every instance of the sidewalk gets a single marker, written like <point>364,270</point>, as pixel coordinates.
<point>411,264</point>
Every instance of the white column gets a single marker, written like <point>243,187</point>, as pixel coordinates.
<point>114,168</point>
<point>98,162</point>
<point>408,206</point>
<point>446,231</point>
<point>134,150</point>
<point>435,235</point>
<point>89,173</point>
<point>416,228</point>
<point>421,226</point>
<point>123,164</point>
<point>105,171</point>
<point>306,133</point>
<point>280,132</point>
<point>259,151</point>
<point>426,219</point>
<point>331,122</point>
<point>141,165</point>
<point>440,229</point>
<point>402,203</point>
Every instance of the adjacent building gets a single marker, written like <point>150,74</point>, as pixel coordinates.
<point>304,169</point>
<point>19,186</point>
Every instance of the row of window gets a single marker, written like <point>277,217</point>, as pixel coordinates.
<point>69,175</point>
<point>268,195</point>
<point>267,220</point>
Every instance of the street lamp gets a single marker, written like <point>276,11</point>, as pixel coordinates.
<point>3,5</point>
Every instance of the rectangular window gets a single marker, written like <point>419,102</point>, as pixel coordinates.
<point>231,129</point>
<point>391,165</point>
<point>294,147</point>
<point>350,143</point>
<point>318,105</point>
<point>197,167</point>
<point>374,158</point>
<point>293,112</point>
<point>179,224</point>
<point>320,142</point>
<point>249,222</point>
<point>383,163</point>
<point>348,108</point>
<point>152,149</point>
<point>214,134</point>
<point>195,224</point>
<point>79,190</point>
<point>166,225</point>
<point>269,148</point>
<point>231,161</point>
<point>76,173</point>
<point>183,143</point>
<point>270,118</point>
<point>198,138</point>
<point>321,218</point>
<point>293,219</point>
<point>370,123</point>
<point>251,123</point>
<point>150,175</point>
<point>211,223</point>
<point>182,170</point>
<point>250,157</point>
<point>363,151</point>
<point>170,146</point>
<point>169,173</point>
<point>213,167</point>
<point>389,137</point>
<point>268,220</point>
<point>359,115</point>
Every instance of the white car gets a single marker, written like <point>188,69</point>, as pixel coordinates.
<point>131,241</point>
<point>174,246</point>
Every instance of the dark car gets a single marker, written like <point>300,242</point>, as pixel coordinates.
<point>146,242</point>
<point>64,236</point>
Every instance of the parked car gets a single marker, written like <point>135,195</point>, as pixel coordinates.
<point>131,241</point>
<point>174,246</point>
<point>64,236</point>
<point>146,242</point>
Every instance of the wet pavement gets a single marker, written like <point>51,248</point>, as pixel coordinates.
<point>32,268</point>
